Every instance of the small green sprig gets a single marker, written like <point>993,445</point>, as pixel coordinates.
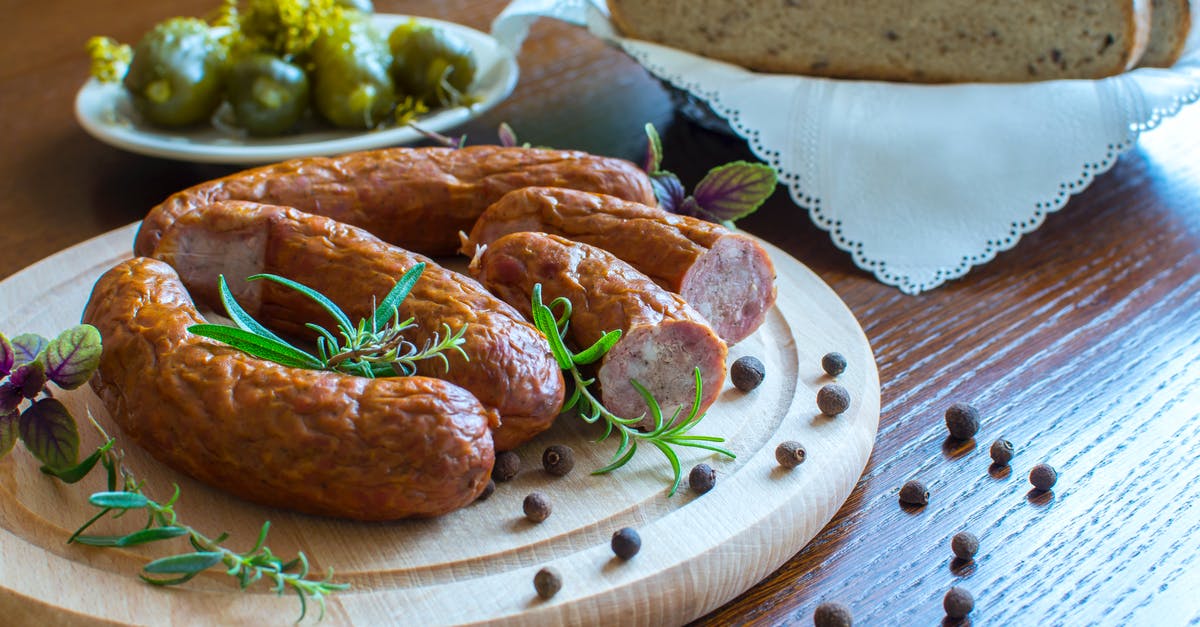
<point>372,348</point>
<point>125,493</point>
<point>664,435</point>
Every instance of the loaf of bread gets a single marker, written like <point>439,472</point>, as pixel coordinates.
<point>1170,21</point>
<point>928,41</point>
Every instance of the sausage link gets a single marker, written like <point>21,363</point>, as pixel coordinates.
<point>416,198</point>
<point>509,365</point>
<point>726,276</point>
<point>663,338</point>
<point>312,441</point>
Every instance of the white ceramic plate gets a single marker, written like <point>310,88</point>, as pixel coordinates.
<point>106,112</point>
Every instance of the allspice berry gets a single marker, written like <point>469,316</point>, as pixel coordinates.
<point>1043,477</point>
<point>962,420</point>
<point>506,466</point>
<point>790,454</point>
<point>488,490</point>
<point>833,364</point>
<point>747,373</point>
<point>537,507</point>
<point>626,542</point>
<point>958,602</point>
<point>832,614</point>
<point>558,459</point>
<point>547,582</point>
<point>702,478</point>
<point>913,492</point>
<point>833,399</point>
<point>965,545</point>
<point>1002,452</point>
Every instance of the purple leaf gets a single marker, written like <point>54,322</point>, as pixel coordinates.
<point>27,347</point>
<point>668,190</point>
<point>7,356</point>
<point>73,356</point>
<point>689,207</point>
<point>29,378</point>
<point>10,396</point>
<point>508,137</point>
<point>49,432</point>
<point>735,190</point>
<point>8,430</point>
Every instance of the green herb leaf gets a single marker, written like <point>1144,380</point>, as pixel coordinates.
<point>73,356</point>
<point>257,345</point>
<point>7,357</point>
<point>119,500</point>
<point>49,432</point>
<point>27,347</point>
<point>153,534</point>
<point>80,470</point>
<point>342,319</point>
<point>187,563</point>
<point>597,350</point>
<point>735,190</point>
<point>9,431</point>
<point>243,320</point>
<point>544,320</point>
<point>387,309</point>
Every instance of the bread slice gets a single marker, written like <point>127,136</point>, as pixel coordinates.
<point>1170,22</point>
<point>930,41</point>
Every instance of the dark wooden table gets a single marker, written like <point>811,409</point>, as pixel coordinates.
<point>1081,345</point>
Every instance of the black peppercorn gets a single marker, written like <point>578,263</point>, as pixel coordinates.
<point>558,459</point>
<point>962,420</point>
<point>487,490</point>
<point>1043,477</point>
<point>506,466</point>
<point>958,602</point>
<point>833,399</point>
<point>965,545</point>
<point>626,542</point>
<point>537,507</point>
<point>832,614</point>
<point>547,582</point>
<point>702,478</point>
<point>833,364</point>
<point>913,492</point>
<point>790,454</point>
<point>1002,452</point>
<point>747,373</point>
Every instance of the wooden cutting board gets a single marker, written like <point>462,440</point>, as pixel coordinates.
<point>475,565</point>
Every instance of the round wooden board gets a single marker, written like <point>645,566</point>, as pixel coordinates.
<point>475,565</point>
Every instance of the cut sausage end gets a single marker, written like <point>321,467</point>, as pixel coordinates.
<point>662,359</point>
<point>747,286</point>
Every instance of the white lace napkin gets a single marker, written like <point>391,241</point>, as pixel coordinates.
<point>918,182</point>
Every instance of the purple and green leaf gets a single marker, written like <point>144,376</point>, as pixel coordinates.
<point>10,396</point>
<point>735,190</point>
<point>7,357</point>
<point>9,431</point>
<point>73,356</point>
<point>654,151</point>
<point>508,137</point>
<point>49,432</point>
<point>668,190</point>
<point>27,347</point>
<point>29,378</point>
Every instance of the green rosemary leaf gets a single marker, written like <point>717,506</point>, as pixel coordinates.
<point>715,449</point>
<point>91,521</point>
<point>186,563</point>
<point>387,309</point>
<point>243,320</point>
<point>617,462</point>
<point>597,350</point>
<point>262,539</point>
<point>153,534</point>
<point>666,450</point>
<point>342,319</point>
<point>168,582</point>
<point>80,470</point>
<point>544,320</point>
<point>119,500</point>
<point>97,540</point>
<point>652,403</point>
<point>266,348</point>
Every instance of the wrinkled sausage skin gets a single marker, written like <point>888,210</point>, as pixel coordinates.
<point>509,365</point>
<point>312,441</point>
<point>726,276</point>
<point>663,338</point>
<point>415,198</point>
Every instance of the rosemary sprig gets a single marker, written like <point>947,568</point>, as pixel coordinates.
<point>664,435</point>
<point>125,493</point>
<point>372,348</point>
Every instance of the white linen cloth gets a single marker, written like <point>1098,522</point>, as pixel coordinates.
<point>917,182</point>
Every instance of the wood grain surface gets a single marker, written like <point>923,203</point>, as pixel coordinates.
<point>1081,344</point>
